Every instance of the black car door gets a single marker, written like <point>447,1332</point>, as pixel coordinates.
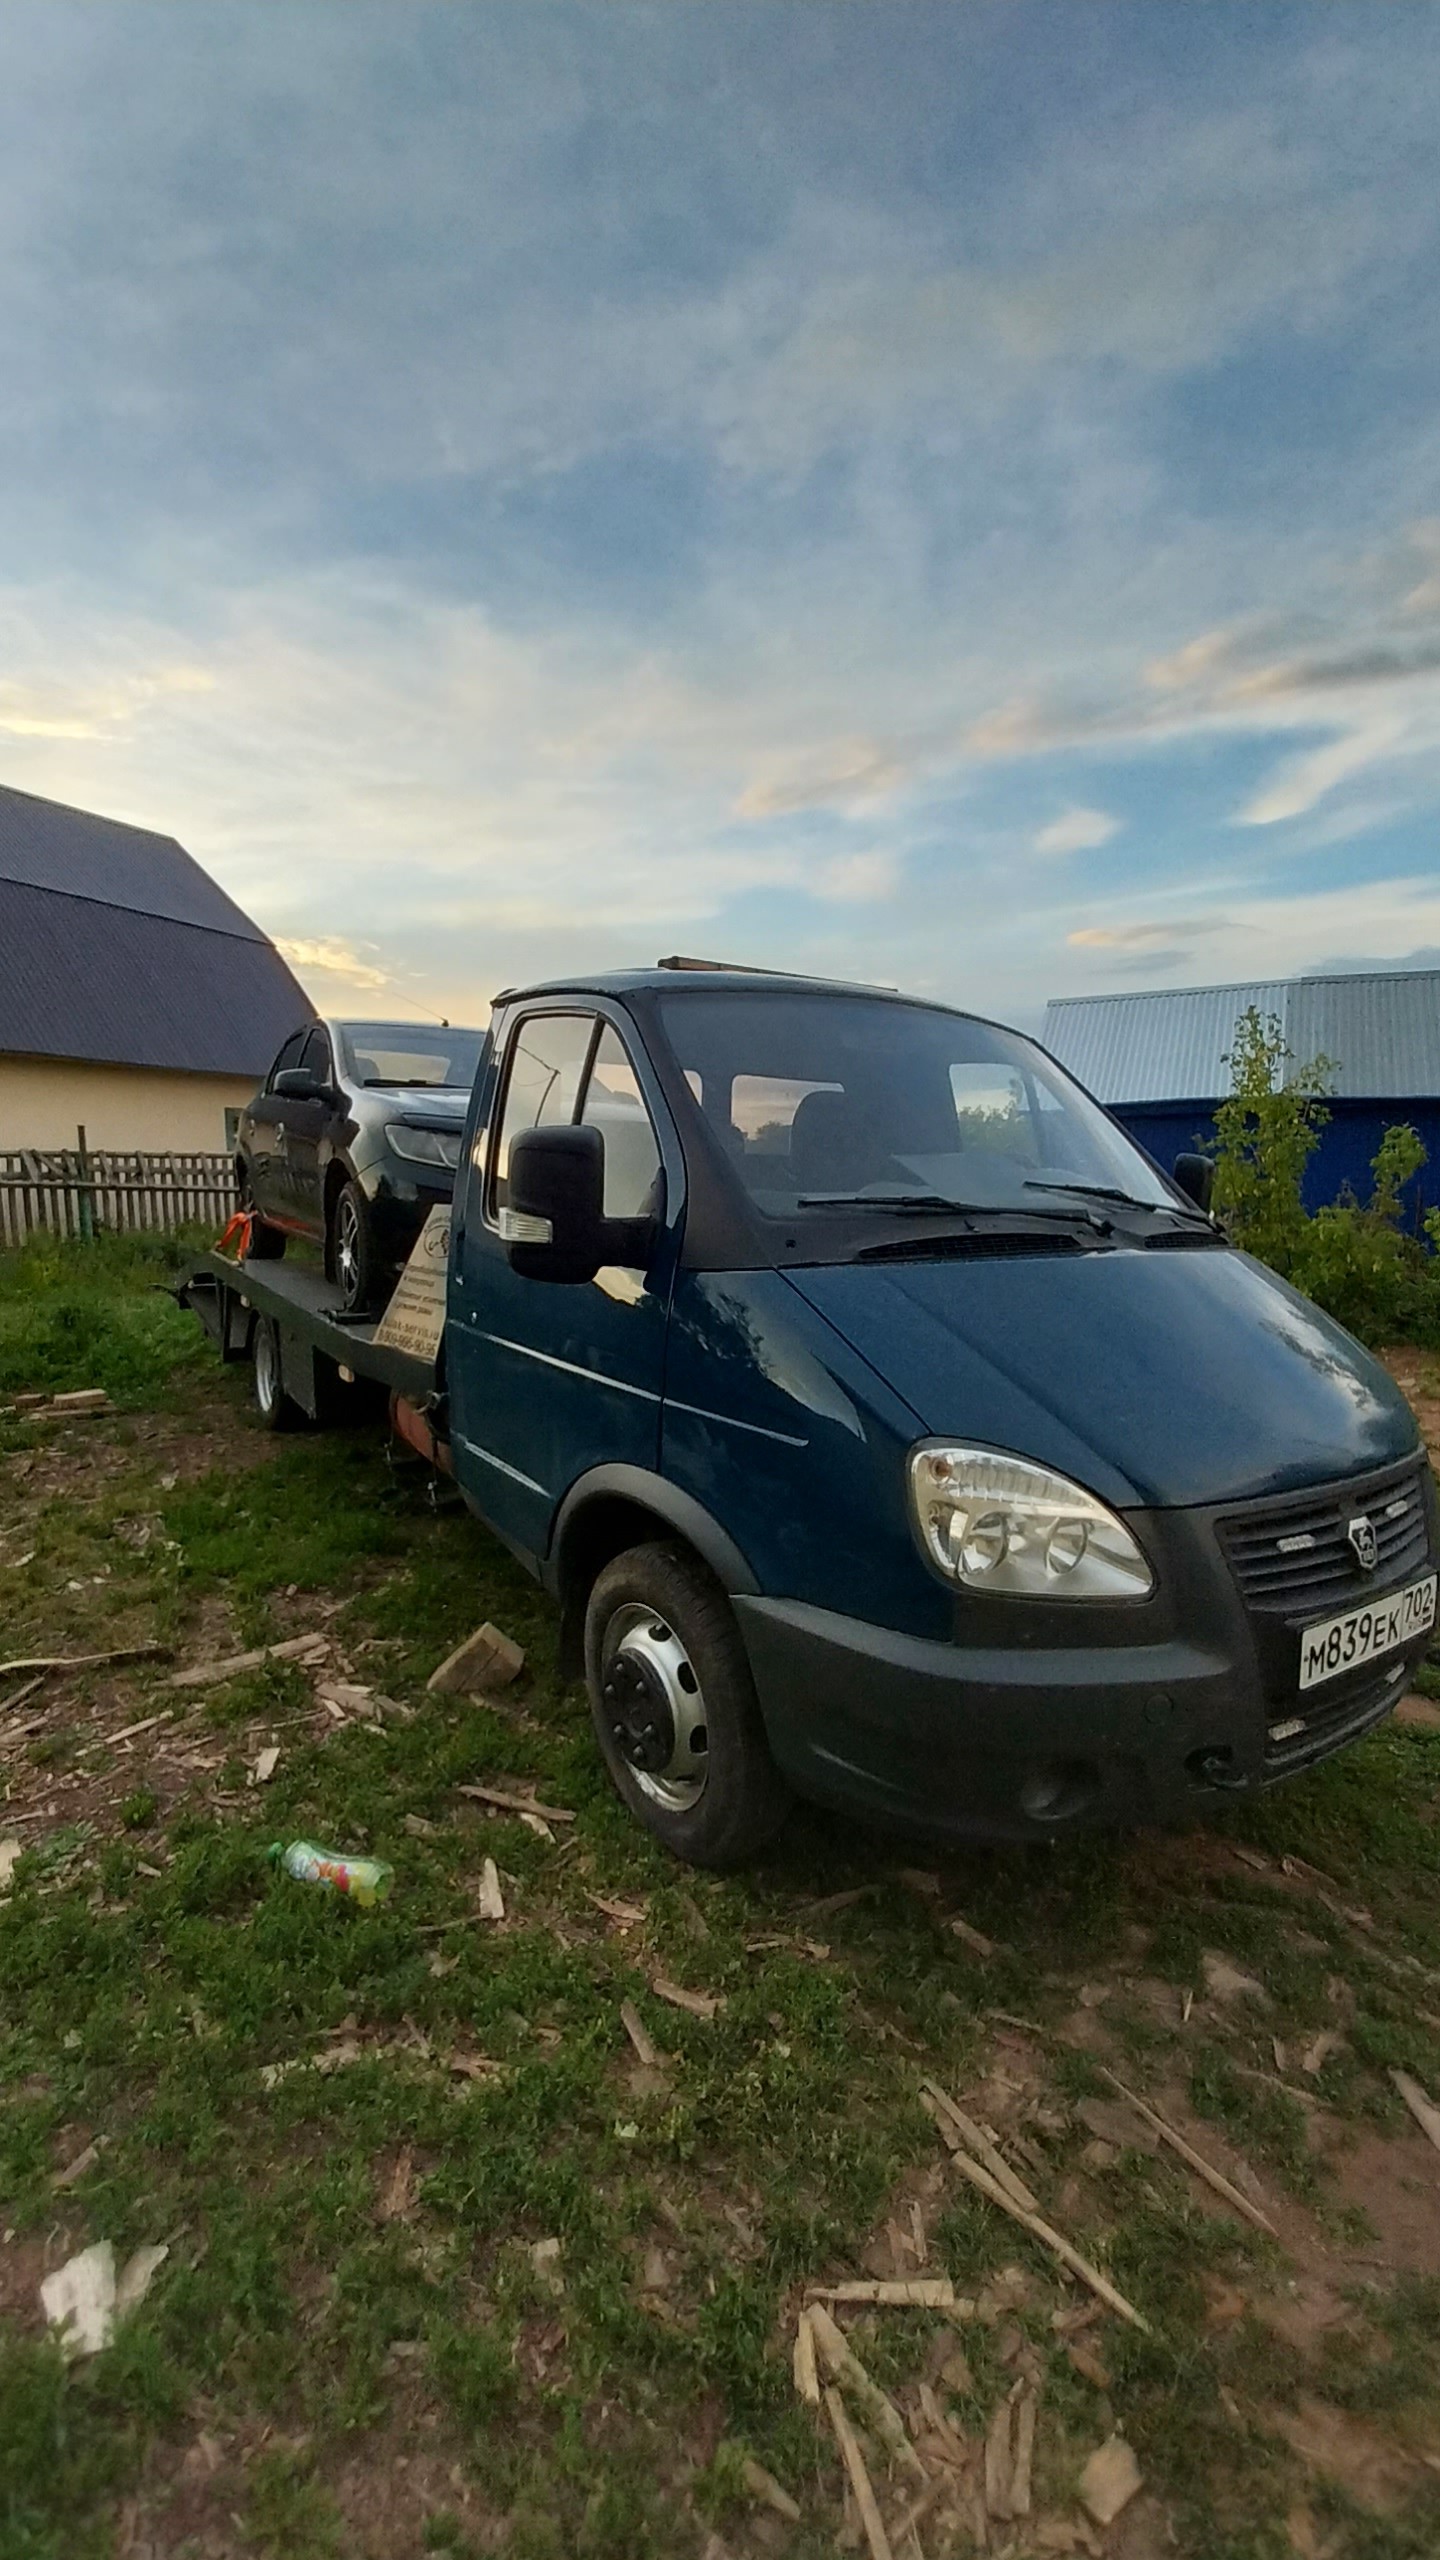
<point>265,1138</point>
<point>306,1125</point>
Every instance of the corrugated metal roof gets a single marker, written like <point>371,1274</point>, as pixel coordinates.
<point>82,980</point>
<point>1381,1028</point>
<point>72,851</point>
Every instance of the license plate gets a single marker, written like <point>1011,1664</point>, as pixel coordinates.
<point>1339,1644</point>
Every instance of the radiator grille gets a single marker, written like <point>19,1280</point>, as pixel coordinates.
<point>1300,1561</point>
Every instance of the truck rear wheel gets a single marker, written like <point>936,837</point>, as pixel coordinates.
<point>278,1411</point>
<point>675,1710</point>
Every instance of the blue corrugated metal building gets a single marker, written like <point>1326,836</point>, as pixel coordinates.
<point>1158,1061</point>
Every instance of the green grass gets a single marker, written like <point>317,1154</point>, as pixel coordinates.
<point>311,2341</point>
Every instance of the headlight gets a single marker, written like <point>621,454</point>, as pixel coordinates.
<point>422,1146</point>
<point>997,1523</point>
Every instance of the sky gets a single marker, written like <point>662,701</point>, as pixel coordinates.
<point>946,495</point>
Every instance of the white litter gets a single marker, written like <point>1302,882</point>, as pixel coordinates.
<point>82,2301</point>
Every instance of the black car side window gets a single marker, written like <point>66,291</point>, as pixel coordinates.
<point>543,1075</point>
<point>289,1057</point>
<point>316,1056</point>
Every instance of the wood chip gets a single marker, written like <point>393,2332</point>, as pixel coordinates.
<point>920,2293</point>
<point>626,1915</point>
<point>1088,2365</point>
<point>972,1938</point>
<point>854,2461</point>
<point>397,2203</point>
<point>698,2004</point>
<point>43,1662</point>
<point>535,1822</point>
<point>80,2167</point>
<point>1052,2240</point>
<point>11,1853</point>
<point>802,2363</point>
<point>489,1900</point>
<point>844,2366</point>
<point>1109,2480</point>
<point>639,2034</point>
<point>1424,2111</point>
<point>1225,1981</point>
<point>952,2120</point>
<point>1214,2178</point>
<point>506,1801</point>
<point>18,1697</point>
<point>266,1764</point>
<point>765,2488</point>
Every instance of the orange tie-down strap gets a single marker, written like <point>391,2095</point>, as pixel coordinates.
<point>238,1230</point>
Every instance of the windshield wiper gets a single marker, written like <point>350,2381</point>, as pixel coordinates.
<point>907,1202</point>
<point>1102,1191</point>
<point>407,1084</point>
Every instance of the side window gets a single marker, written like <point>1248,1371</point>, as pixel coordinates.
<point>289,1057</point>
<point>614,1106</point>
<point>316,1056</point>
<point>542,1083</point>
<point>763,1110</point>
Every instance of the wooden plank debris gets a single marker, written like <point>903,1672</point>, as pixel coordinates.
<point>802,2363</point>
<point>860,2482</point>
<point>1109,2480</point>
<point>46,1662</point>
<point>207,1675</point>
<point>1214,2178</point>
<point>489,1900</point>
<point>646,2049</point>
<point>974,1939</point>
<point>957,2127</point>
<point>506,1800</point>
<point>486,1660</point>
<point>698,2004</point>
<point>763,2486</point>
<point>1425,2113</point>
<point>1050,2239</point>
<point>1026,2411</point>
<point>844,2366</point>
<point>999,2464</point>
<point>920,2293</point>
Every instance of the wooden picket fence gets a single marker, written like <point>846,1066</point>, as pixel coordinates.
<point>68,1191</point>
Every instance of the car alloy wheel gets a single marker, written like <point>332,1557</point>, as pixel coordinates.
<point>349,1249</point>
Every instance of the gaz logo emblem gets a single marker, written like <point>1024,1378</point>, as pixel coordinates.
<point>1364,1543</point>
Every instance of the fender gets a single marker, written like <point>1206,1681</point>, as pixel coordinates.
<point>678,1511</point>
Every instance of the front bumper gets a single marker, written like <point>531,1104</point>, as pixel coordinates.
<point>1004,1743</point>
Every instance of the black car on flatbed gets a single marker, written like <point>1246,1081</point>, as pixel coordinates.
<point>352,1140</point>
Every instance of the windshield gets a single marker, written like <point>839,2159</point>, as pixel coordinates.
<point>821,1100</point>
<point>410,1053</point>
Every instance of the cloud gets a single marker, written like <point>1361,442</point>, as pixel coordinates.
<point>1077,830</point>
<point>1304,780</point>
<point>330,958</point>
<point>1140,937</point>
<point>859,879</point>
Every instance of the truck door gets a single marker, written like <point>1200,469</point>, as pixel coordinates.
<point>549,1379</point>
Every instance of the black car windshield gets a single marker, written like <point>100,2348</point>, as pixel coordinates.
<point>382,1053</point>
<point>830,1101</point>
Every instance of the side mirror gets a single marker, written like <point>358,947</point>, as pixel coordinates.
<point>1195,1176</point>
<point>297,1084</point>
<point>553,1223</point>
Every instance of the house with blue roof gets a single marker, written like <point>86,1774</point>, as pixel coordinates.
<point>1159,1061</point>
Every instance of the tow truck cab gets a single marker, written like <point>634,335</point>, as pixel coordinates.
<point>894,1432</point>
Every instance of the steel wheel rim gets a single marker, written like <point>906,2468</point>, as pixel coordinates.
<point>267,1374</point>
<point>644,1659</point>
<point>347,1250</point>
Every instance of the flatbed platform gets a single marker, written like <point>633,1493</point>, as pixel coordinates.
<point>227,1296</point>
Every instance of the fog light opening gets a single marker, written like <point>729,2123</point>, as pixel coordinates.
<point>1060,1791</point>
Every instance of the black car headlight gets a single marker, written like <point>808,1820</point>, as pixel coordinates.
<point>422,1146</point>
<point>1000,1523</point>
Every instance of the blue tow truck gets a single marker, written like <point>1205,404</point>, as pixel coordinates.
<point>888,1428</point>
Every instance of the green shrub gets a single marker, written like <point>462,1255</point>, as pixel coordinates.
<point>1353,1258</point>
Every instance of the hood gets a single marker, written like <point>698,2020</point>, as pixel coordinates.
<point>1159,1379</point>
<point>444,1105</point>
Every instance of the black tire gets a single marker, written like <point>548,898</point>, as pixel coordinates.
<point>667,1675</point>
<point>277,1410</point>
<point>350,1255</point>
<point>267,1244</point>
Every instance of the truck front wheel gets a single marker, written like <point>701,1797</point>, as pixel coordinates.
<point>675,1710</point>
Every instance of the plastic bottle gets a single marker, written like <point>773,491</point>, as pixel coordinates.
<point>364,1880</point>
